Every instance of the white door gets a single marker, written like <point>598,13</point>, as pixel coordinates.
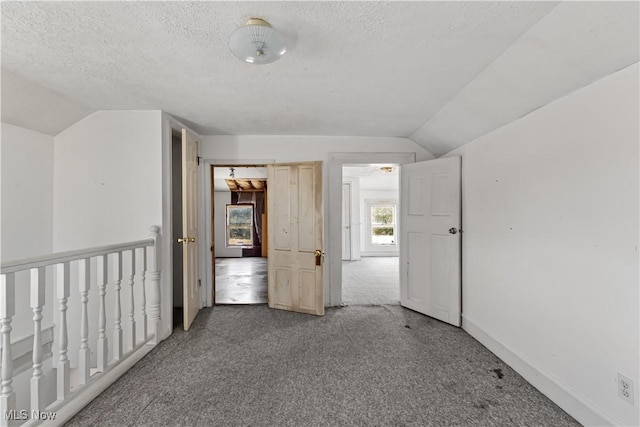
<point>295,237</point>
<point>191,291</point>
<point>430,238</point>
<point>346,221</point>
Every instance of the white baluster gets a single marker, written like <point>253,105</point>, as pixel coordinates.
<point>84,354</point>
<point>116,268</point>
<point>37,302</point>
<point>132,319</point>
<point>103,360</point>
<point>143,301</point>
<point>7,310</point>
<point>154,278</point>
<point>63,283</point>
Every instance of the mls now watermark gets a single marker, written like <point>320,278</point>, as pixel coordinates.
<point>24,415</point>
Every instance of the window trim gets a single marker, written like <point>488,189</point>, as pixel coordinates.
<point>371,203</point>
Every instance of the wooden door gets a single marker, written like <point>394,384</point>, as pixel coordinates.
<point>346,221</point>
<point>191,290</point>
<point>430,238</point>
<point>295,237</point>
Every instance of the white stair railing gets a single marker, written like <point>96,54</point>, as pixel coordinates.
<point>69,397</point>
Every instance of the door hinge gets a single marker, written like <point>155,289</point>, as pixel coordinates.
<point>199,283</point>
<point>199,158</point>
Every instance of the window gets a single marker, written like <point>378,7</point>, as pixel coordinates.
<point>383,224</point>
<point>240,226</point>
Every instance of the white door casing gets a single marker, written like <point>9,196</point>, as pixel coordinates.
<point>191,291</point>
<point>430,239</point>
<point>346,221</point>
<point>334,219</point>
<point>295,227</point>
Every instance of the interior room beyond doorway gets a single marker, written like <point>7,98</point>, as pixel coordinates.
<point>239,220</point>
<point>370,263</point>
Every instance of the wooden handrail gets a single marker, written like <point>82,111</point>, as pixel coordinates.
<point>60,257</point>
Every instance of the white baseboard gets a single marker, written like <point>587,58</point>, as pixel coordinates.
<point>583,410</point>
<point>381,254</point>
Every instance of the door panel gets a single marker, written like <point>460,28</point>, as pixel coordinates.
<point>191,291</point>
<point>295,234</point>
<point>280,219</point>
<point>307,289</point>
<point>282,285</point>
<point>429,251</point>
<point>416,247</point>
<point>306,209</point>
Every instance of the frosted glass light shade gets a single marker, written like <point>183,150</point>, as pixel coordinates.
<point>257,43</point>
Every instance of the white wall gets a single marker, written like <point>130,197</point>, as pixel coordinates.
<point>107,179</point>
<point>222,199</point>
<point>27,192</point>
<point>550,266</point>
<point>27,201</point>
<point>107,182</point>
<point>287,148</point>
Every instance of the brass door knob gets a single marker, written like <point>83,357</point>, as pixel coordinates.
<point>182,240</point>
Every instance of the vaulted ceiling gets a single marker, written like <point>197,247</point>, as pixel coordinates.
<point>440,73</point>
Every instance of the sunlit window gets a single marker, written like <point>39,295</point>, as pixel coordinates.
<point>383,224</point>
<point>240,226</point>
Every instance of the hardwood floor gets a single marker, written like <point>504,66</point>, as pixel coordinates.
<point>241,280</point>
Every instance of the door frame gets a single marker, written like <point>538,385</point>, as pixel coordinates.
<point>334,216</point>
<point>169,125</point>
<point>206,224</point>
<point>348,203</point>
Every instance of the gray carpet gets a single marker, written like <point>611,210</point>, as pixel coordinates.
<point>358,365</point>
<point>371,280</point>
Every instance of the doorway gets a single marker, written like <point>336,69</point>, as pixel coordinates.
<point>176,208</point>
<point>184,227</point>
<point>239,234</point>
<point>370,263</point>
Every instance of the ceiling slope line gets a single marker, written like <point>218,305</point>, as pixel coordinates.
<point>484,69</point>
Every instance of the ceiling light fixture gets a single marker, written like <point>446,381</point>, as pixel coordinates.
<point>257,43</point>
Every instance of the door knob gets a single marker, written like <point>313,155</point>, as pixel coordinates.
<point>182,240</point>
<point>192,239</point>
<point>453,230</point>
<point>318,254</point>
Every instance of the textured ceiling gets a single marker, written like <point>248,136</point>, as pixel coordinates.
<point>441,73</point>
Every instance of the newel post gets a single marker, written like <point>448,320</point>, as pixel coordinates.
<point>153,274</point>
